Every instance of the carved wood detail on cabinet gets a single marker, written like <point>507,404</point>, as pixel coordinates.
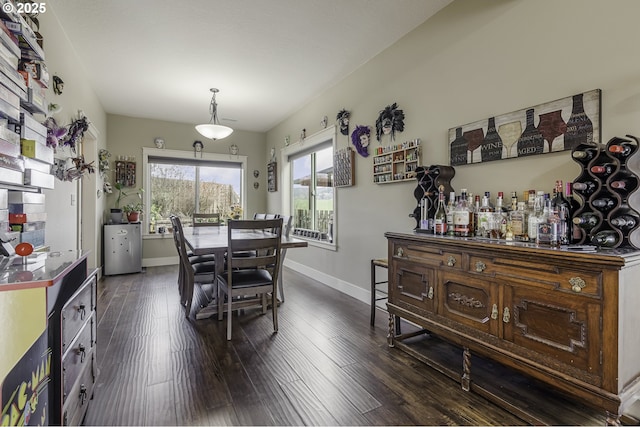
<point>560,317</point>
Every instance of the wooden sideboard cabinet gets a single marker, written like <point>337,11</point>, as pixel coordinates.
<point>565,318</point>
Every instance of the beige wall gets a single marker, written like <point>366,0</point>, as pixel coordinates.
<point>127,136</point>
<point>473,60</point>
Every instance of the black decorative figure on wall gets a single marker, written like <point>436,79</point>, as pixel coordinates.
<point>390,121</point>
<point>343,121</point>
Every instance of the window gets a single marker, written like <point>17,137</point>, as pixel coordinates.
<point>177,183</point>
<point>311,199</point>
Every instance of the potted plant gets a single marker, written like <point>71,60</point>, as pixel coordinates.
<point>116,212</point>
<point>133,211</point>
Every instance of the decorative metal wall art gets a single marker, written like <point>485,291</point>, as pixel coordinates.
<point>550,127</point>
<point>344,167</point>
<point>272,177</point>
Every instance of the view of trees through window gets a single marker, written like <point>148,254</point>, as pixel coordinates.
<point>313,192</point>
<point>184,189</point>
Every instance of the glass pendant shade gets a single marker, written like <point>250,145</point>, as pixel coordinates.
<point>213,129</point>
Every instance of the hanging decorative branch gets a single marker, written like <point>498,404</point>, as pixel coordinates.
<point>63,172</point>
<point>77,128</point>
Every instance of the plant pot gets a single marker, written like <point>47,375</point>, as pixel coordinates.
<point>116,216</point>
<point>133,216</point>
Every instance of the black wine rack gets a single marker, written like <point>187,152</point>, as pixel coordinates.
<point>430,178</point>
<point>607,186</point>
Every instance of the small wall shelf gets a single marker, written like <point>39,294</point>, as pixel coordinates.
<point>396,163</point>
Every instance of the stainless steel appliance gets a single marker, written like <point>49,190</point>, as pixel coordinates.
<point>122,249</point>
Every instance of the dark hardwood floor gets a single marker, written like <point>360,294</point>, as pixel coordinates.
<point>325,366</point>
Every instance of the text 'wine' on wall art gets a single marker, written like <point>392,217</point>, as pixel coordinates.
<point>550,127</point>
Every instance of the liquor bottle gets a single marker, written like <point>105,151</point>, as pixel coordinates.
<point>535,215</point>
<point>440,217</point>
<point>491,148</point>
<point>586,220</point>
<point>450,207</point>
<point>564,211</point>
<point>483,225</point>
<point>518,220</point>
<point>606,239</point>
<point>514,201</point>
<point>579,126</point>
<point>503,214</point>
<point>548,225</point>
<point>603,170</point>
<point>461,216</point>
<point>475,210</point>
<point>587,188</point>
<point>603,203</point>
<point>531,141</point>
<point>623,221</point>
<point>568,194</point>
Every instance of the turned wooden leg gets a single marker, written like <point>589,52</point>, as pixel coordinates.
<point>613,419</point>
<point>391,334</point>
<point>466,369</point>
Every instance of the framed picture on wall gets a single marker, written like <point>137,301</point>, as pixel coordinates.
<point>272,177</point>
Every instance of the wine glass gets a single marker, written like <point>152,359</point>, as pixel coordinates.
<point>510,132</point>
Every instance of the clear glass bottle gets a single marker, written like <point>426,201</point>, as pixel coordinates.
<point>503,211</point>
<point>518,221</point>
<point>440,217</point>
<point>483,224</point>
<point>535,214</point>
<point>563,210</point>
<point>450,208</point>
<point>461,216</point>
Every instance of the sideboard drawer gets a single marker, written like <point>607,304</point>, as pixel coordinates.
<point>78,355</point>
<point>77,311</point>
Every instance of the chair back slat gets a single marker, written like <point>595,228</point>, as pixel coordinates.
<point>263,237</point>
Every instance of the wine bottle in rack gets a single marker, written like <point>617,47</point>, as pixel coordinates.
<point>586,154</point>
<point>604,203</point>
<point>606,239</point>
<point>622,148</point>
<point>587,220</point>
<point>603,170</point>
<point>586,188</point>
<point>623,221</point>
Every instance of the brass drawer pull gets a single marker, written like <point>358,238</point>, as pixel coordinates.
<point>577,284</point>
<point>430,293</point>
<point>82,352</point>
<point>506,316</point>
<point>83,394</point>
<point>400,252</point>
<point>451,261</point>
<point>82,310</point>
<point>480,266</point>
<point>494,312</point>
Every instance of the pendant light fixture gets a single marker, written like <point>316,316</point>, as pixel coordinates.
<point>213,129</point>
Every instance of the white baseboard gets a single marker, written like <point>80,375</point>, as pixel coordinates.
<point>345,287</point>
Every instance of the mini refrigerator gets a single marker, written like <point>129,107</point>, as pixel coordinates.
<point>122,249</point>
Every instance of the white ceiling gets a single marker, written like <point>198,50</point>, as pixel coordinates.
<point>158,58</point>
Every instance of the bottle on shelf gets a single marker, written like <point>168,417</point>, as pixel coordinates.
<point>587,220</point>
<point>501,219</point>
<point>623,221</point>
<point>624,184</point>
<point>483,223</point>
<point>514,201</point>
<point>623,148</point>
<point>568,194</point>
<point>606,239</point>
<point>440,217</point>
<point>603,170</point>
<point>462,216</point>
<point>604,203</point>
<point>585,155</point>
<point>535,215</point>
<point>518,221</point>
<point>587,188</point>
<point>450,207</point>
<point>547,226</point>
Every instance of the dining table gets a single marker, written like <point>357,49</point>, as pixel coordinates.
<point>214,240</point>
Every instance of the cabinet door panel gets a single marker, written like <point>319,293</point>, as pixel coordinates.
<point>567,329</point>
<point>414,284</point>
<point>470,300</point>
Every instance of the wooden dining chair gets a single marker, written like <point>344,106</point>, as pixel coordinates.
<point>206,219</point>
<point>190,273</point>
<point>256,275</point>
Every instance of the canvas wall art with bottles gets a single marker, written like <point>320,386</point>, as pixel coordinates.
<point>554,126</point>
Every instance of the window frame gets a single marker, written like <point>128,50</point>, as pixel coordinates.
<point>308,144</point>
<point>186,155</point>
